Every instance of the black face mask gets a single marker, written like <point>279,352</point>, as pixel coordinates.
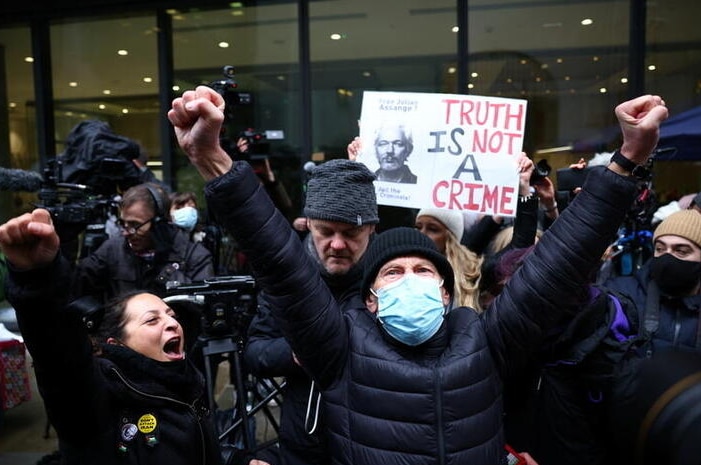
<point>675,277</point>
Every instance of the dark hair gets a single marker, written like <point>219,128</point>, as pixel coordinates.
<point>501,266</point>
<point>179,199</point>
<point>510,261</point>
<point>142,193</point>
<point>114,320</point>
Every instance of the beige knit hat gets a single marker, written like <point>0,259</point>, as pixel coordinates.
<point>684,223</point>
<point>451,219</point>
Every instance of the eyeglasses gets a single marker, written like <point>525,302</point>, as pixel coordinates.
<point>384,144</point>
<point>131,228</point>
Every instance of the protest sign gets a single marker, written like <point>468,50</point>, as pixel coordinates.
<point>449,151</point>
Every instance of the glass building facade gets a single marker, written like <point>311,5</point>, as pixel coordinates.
<point>301,68</point>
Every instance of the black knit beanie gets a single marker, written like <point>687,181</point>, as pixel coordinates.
<point>400,242</point>
<point>342,190</point>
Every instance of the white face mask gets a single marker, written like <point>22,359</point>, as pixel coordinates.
<point>411,309</point>
<point>185,218</point>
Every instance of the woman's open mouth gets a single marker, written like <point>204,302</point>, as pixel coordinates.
<point>173,349</point>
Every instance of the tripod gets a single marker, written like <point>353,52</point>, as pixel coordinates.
<point>214,350</point>
<point>228,303</point>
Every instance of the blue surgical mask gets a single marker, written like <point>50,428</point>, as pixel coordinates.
<point>411,309</point>
<point>185,217</point>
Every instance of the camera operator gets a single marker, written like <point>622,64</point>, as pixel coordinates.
<point>149,252</point>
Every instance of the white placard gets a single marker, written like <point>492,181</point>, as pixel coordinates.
<point>449,151</point>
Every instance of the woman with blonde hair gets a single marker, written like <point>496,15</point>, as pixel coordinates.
<point>445,228</point>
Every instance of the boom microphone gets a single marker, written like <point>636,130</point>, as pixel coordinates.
<point>20,180</point>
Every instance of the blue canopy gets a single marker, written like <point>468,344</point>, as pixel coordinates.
<point>680,137</point>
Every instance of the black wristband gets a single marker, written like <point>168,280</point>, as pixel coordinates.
<point>635,170</point>
<point>623,162</point>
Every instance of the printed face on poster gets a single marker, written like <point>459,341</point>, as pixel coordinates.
<point>456,152</point>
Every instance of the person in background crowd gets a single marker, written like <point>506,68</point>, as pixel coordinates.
<point>667,289</point>
<point>591,375</point>
<point>403,379</point>
<point>184,214</point>
<point>340,214</point>
<point>487,236</point>
<point>545,191</point>
<point>445,228</point>
<point>134,398</point>
<point>666,293</point>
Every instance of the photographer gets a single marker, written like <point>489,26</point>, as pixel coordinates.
<point>131,399</point>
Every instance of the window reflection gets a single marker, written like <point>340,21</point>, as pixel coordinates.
<point>261,45</point>
<point>17,124</point>
<point>106,69</point>
<point>568,59</point>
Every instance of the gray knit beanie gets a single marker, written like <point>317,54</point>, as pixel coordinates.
<point>342,190</point>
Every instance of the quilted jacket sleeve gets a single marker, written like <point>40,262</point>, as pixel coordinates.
<point>552,283</point>
<point>59,346</point>
<point>267,352</point>
<point>300,301</point>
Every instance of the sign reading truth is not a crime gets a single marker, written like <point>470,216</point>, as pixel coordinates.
<point>448,151</point>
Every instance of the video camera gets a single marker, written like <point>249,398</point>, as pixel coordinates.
<point>227,88</point>
<point>258,140</point>
<point>78,204</point>
<point>542,170</point>
<point>234,102</point>
<point>228,302</point>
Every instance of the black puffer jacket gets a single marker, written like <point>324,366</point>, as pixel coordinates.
<point>113,268</point>
<point>268,354</point>
<point>439,403</point>
<point>120,408</point>
<point>678,317</point>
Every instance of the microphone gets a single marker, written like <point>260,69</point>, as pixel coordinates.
<point>20,180</point>
<point>309,167</point>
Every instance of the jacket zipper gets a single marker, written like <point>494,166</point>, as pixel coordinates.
<point>192,408</point>
<point>439,416</point>
<point>677,327</point>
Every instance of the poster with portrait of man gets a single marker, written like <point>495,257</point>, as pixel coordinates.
<point>448,151</point>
